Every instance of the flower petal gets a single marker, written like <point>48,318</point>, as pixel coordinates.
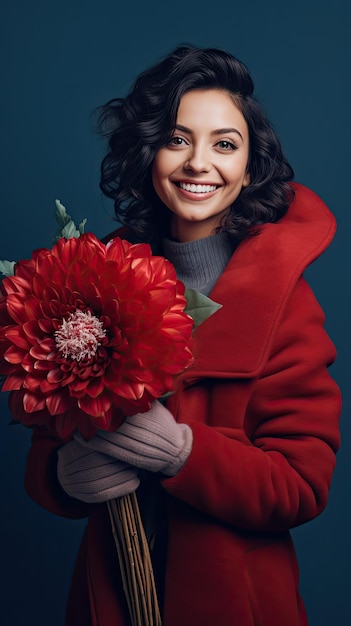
<point>56,403</point>
<point>14,355</point>
<point>33,402</point>
<point>16,336</point>
<point>12,382</point>
<point>42,349</point>
<point>97,407</point>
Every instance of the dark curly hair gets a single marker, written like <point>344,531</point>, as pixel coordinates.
<point>139,124</point>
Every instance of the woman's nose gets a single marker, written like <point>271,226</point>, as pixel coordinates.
<point>197,161</point>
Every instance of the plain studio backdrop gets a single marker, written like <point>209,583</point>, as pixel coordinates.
<point>60,60</point>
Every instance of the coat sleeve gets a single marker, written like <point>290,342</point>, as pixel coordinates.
<point>270,467</point>
<point>41,482</point>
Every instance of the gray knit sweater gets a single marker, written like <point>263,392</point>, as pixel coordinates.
<point>200,263</point>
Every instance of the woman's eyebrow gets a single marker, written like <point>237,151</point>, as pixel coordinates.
<point>219,131</point>
<point>224,131</point>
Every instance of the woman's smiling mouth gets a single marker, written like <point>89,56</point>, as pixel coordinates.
<point>196,190</point>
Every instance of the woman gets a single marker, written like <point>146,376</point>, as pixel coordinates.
<point>245,449</point>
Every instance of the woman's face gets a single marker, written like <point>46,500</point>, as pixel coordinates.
<point>201,171</point>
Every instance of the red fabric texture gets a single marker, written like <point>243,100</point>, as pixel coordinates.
<point>264,413</point>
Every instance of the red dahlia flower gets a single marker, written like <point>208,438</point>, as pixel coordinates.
<point>90,333</point>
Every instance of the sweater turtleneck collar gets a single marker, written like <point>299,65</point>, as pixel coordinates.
<point>200,263</point>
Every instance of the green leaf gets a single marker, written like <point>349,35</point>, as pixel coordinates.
<point>62,216</point>
<point>7,268</point>
<point>199,307</point>
<point>81,226</point>
<point>67,228</point>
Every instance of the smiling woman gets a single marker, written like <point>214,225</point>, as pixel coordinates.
<point>244,449</point>
<point>145,123</point>
<point>201,171</point>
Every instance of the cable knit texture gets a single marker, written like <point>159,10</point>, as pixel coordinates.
<point>93,476</point>
<point>152,441</point>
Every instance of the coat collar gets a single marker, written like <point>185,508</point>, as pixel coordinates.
<point>255,286</point>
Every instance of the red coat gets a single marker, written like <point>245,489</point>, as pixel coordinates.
<point>264,413</point>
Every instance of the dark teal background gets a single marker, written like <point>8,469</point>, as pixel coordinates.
<point>59,61</point>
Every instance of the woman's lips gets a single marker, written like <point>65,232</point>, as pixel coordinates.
<point>196,191</point>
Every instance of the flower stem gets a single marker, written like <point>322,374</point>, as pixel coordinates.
<point>135,561</point>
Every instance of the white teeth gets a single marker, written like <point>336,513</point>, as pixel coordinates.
<point>197,188</point>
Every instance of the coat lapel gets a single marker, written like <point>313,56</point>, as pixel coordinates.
<point>254,289</point>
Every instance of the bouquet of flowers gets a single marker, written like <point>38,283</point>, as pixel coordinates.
<point>89,334</point>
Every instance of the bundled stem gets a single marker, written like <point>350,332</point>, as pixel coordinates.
<point>135,561</point>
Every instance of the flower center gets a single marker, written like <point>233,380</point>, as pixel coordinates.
<point>80,335</point>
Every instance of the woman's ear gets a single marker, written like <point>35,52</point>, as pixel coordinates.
<point>247,180</point>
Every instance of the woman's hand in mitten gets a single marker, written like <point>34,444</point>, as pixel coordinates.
<point>93,476</point>
<point>152,441</point>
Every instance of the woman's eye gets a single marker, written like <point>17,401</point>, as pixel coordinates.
<point>176,141</point>
<point>224,144</point>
